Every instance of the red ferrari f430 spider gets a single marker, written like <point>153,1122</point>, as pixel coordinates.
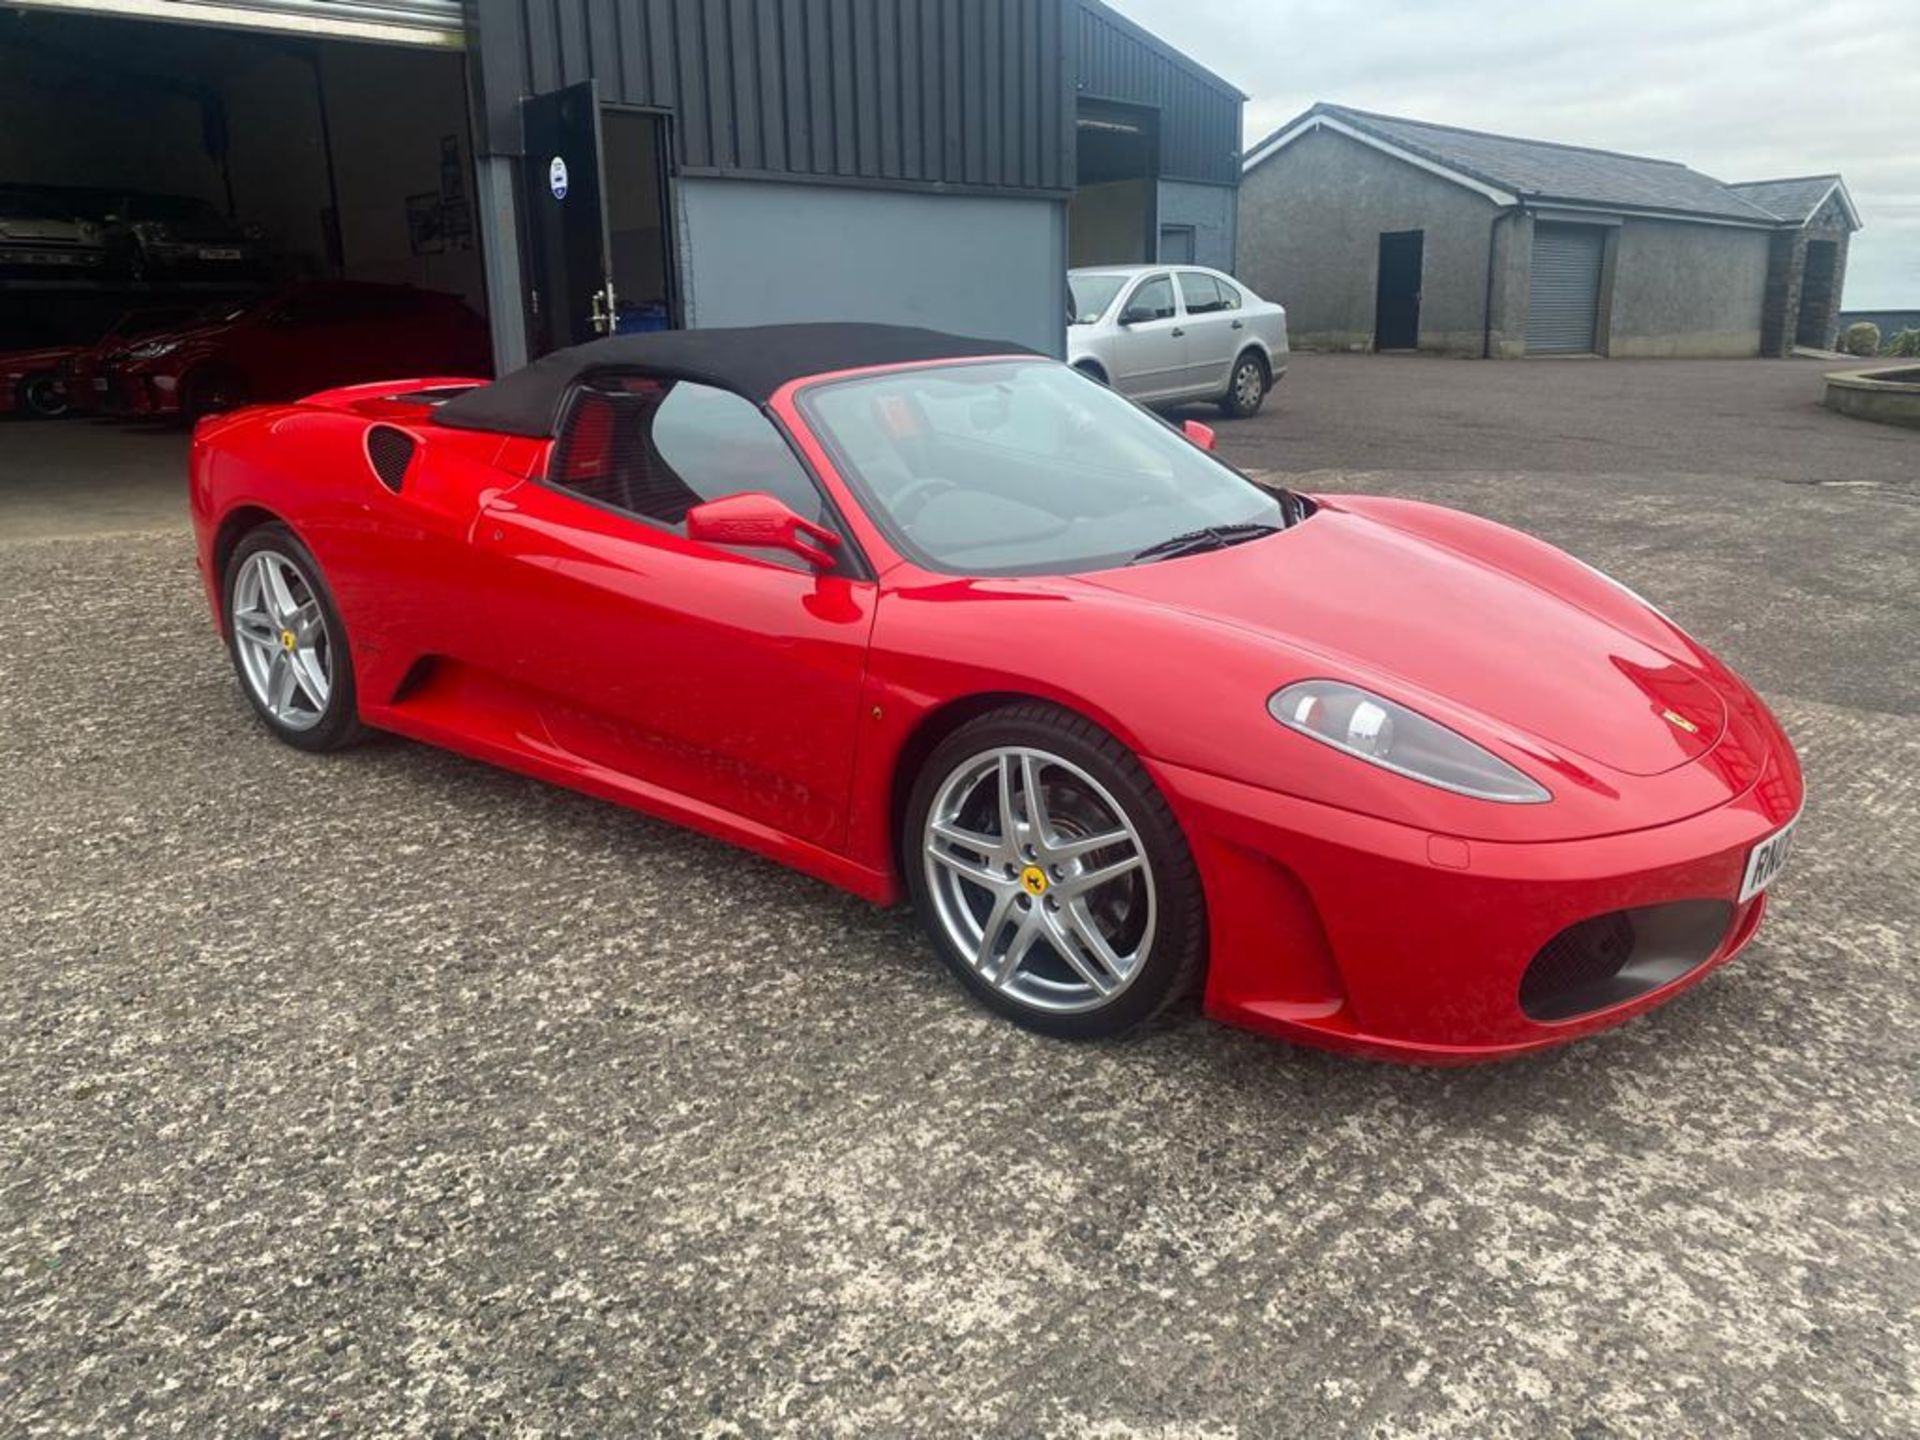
<point>938,618</point>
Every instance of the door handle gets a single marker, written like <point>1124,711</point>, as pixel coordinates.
<point>1239,324</point>
<point>1177,332</point>
<point>604,318</point>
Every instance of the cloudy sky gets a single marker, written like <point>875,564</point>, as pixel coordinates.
<point>1739,89</point>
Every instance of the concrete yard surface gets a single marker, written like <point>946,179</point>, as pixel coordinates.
<point>386,1094</point>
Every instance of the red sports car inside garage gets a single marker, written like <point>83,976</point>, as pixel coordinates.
<point>293,341</point>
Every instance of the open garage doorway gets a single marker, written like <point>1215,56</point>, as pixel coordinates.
<point>1815,323</point>
<point>598,218</point>
<point>639,238</point>
<point>198,216</point>
<point>1113,217</point>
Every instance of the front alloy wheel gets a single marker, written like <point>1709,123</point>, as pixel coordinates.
<point>43,397</point>
<point>1047,869</point>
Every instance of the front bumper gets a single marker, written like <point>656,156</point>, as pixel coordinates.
<point>49,262</point>
<point>213,259</point>
<point>132,392</point>
<point>1353,933</point>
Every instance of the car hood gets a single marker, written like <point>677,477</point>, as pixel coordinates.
<point>209,230</point>
<point>1451,614</point>
<point>190,335</point>
<point>18,361</point>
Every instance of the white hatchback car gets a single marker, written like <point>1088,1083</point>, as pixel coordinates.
<point>1166,333</point>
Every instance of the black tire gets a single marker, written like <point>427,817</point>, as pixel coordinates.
<point>1247,388</point>
<point>39,396</point>
<point>1176,956</point>
<point>338,724</point>
<point>211,390</point>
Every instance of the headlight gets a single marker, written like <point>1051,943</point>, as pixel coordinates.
<point>153,349</point>
<point>1375,729</point>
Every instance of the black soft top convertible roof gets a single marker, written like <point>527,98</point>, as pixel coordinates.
<point>753,361</point>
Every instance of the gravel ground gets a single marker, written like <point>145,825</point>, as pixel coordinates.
<point>385,1094</point>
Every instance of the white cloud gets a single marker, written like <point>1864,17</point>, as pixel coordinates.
<point>1738,89</point>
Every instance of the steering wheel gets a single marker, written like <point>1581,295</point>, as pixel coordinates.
<point>912,497</point>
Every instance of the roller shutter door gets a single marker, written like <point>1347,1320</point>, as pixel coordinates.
<point>1563,298</point>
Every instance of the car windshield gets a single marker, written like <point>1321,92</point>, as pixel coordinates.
<point>1091,295</point>
<point>1024,467</point>
<point>135,323</point>
<point>176,208</point>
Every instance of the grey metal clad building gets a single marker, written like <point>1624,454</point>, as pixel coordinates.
<point>1157,153</point>
<point>575,167</point>
<point>772,160</point>
<point>1379,232</point>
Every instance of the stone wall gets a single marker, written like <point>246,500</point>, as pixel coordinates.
<point>1786,278</point>
<point>1311,217</point>
<point>1686,289</point>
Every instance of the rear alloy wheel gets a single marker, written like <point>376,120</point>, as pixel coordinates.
<point>288,645</point>
<point>1052,876</point>
<point>42,396</point>
<point>1247,389</point>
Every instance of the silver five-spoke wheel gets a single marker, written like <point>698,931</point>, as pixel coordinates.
<point>1039,879</point>
<point>280,637</point>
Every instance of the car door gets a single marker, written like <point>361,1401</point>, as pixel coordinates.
<point>726,677</point>
<point>1211,329</point>
<point>1150,350</point>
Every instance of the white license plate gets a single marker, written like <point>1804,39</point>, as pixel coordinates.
<point>1766,860</point>
<point>219,254</point>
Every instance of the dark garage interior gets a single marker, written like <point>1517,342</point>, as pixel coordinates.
<point>160,177</point>
<point>1111,219</point>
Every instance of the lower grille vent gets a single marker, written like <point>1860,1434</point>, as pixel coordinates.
<point>1611,958</point>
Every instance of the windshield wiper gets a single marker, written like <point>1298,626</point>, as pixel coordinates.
<point>1209,537</point>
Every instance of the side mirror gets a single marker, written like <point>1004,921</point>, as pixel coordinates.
<point>1200,434</point>
<point>757,519</point>
<point>1134,314</point>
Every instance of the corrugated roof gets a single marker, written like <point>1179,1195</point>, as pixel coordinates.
<point>1794,199</point>
<point>1106,13</point>
<point>1542,170</point>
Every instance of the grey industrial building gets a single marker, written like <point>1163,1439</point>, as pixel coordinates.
<point>1382,233</point>
<point>576,166</point>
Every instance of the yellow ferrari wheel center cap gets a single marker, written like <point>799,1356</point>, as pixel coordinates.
<point>288,640</point>
<point>1033,880</point>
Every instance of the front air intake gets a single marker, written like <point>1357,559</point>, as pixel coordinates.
<point>390,451</point>
<point>1611,958</point>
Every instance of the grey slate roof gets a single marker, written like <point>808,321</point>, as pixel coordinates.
<point>1540,170</point>
<point>1793,200</point>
